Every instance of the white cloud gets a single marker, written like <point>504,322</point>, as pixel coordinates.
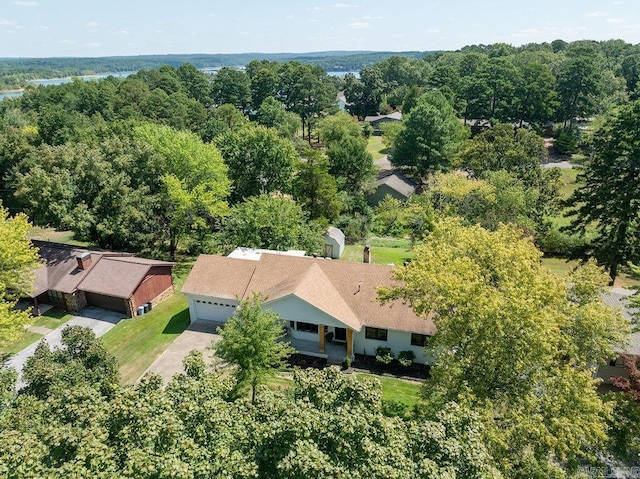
<point>5,22</point>
<point>121,32</point>
<point>371,17</point>
<point>316,9</point>
<point>615,21</point>
<point>359,25</point>
<point>40,27</point>
<point>93,25</point>
<point>314,20</point>
<point>289,17</point>
<point>432,30</point>
<point>93,45</point>
<point>66,42</point>
<point>596,14</point>
<point>21,3</point>
<point>342,5</point>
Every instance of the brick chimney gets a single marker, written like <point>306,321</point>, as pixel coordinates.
<point>84,260</point>
<point>366,256</point>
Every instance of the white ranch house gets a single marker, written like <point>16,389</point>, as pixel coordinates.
<point>330,307</point>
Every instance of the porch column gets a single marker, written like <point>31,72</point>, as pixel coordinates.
<point>349,342</point>
<point>36,306</point>
<point>321,334</point>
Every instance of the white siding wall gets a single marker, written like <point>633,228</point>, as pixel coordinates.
<point>396,340</point>
<point>292,308</point>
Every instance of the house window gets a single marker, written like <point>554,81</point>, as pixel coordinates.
<point>375,333</point>
<point>306,327</point>
<point>419,339</point>
<point>55,297</point>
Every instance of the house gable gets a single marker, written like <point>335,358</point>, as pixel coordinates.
<point>294,308</point>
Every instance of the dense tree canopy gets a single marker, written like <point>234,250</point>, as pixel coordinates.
<point>259,160</point>
<point>270,222</point>
<point>516,340</point>
<point>610,195</point>
<point>432,135</point>
<point>18,260</point>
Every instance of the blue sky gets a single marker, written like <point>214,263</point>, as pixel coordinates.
<point>46,28</point>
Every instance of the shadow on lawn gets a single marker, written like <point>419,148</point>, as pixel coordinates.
<point>178,323</point>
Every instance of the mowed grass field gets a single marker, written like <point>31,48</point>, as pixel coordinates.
<point>137,342</point>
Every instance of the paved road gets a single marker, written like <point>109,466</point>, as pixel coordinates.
<point>98,320</point>
<point>199,336</point>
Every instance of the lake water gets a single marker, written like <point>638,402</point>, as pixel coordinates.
<point>61,81</point>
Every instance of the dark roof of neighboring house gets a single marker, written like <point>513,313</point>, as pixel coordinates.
<point>336,234</point>
<point>118,276</point>
<point>60,271</point>
<point>396,181</point>
<point>341,289</point>
<point>395,116</point>
<point>112,274</point>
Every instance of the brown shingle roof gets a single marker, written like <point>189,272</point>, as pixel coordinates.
<point>118,276</point>
<point>344,290</point>
<point>60,271</point>
<point>112,274</point>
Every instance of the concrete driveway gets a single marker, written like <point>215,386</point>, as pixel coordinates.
<point>199,336</point>
<point>98,320</point>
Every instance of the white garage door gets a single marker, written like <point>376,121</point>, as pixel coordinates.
<point>214,311</point>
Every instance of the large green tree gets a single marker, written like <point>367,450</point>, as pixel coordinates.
<point>314,188</point>
<point>610,195</point>
<point>194,180</point>
<point>514,341</point>
<point>18,260</point>
<point>351,164</point>
<point>233,87</point>
<point>259,160</point>
<point>432,135</point>
<point>271,222</point>
<point>251,340</point>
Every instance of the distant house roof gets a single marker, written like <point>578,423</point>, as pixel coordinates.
<point>395,116</point>
<point>112,274</point>
<point>396,181</point>
<point>341,289</point>
<point>336,234</point>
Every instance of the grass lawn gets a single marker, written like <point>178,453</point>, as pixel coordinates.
<point>51,234</point>
<point>138,342</point>
<point>397,390</point>
<point>376,147</point>
<point>393,389</point>
<point>380,254</point>
<point>8,348</point>
<point>51,319</point>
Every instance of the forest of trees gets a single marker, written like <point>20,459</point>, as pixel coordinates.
<point>173,162</point>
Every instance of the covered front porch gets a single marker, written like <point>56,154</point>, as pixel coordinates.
<point>334,350</point>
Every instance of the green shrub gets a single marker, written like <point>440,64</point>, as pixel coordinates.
<point>384,355</point>
<point>554,242</point>
<point>406,358</point>
<point>391,408</point>
<point>566,143</point>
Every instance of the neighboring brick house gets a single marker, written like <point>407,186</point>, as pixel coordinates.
<point>73,278</point>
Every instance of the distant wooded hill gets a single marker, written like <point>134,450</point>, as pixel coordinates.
<point>14,72</point>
